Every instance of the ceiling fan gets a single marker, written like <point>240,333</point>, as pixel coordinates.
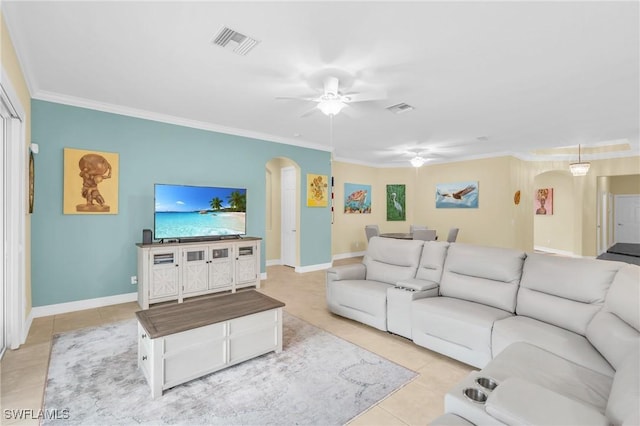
<point>332,100</point>
<point>420,154</point>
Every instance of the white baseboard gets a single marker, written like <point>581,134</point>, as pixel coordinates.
<point>274,262</point>
<point>62,308</point>
<point>555,251</point>
<point>263,276</point>
<point>349,255</point>
<point>311,268</point>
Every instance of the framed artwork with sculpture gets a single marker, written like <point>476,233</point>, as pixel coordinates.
<point>90,182</point>
<point>396,202</point>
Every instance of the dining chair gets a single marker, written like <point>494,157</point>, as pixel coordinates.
<point>414,227</point>
<point>424,234</point>
<point>453,235</point>
<point>371,231</point>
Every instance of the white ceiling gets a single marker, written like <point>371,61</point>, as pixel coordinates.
<point>485,78</point>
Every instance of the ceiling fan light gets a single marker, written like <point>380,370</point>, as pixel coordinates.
<point>579,169</point>
<point>331,106</point>
<point>417,161</point>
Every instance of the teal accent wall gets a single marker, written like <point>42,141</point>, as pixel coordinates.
<point>78,257</point>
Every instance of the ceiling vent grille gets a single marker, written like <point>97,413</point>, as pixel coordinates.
<point>230,39</point>
<point>400,108</point>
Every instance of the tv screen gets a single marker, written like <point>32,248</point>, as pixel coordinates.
<point>190,212</point>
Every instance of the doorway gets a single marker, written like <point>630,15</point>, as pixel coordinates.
<point>12,218</point>
<point>288,226</point>
<point>627,214</point>
<point>3,299</point>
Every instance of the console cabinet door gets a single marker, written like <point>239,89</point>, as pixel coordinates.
<point>221,267</point>
<point>163,274</point>
<point>195,270</point>
<point>246,264</point>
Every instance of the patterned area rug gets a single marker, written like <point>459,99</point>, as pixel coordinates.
<point>318,379</point>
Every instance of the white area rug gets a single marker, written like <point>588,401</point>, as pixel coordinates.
<point>318,379</point>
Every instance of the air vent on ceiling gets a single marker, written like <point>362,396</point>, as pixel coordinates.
<point>240,43</point>
<point>400,108</point>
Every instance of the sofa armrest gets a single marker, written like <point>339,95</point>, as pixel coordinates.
<point>355,271</point>
<point>519,402</point>
<point>416,284</point>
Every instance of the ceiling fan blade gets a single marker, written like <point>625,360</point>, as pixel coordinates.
<point>368,96</point>
<point>310,112</point>
<point>299,98</point>
<point>331,86</point>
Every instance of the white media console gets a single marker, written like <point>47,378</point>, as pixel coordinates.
<point>175,271</point>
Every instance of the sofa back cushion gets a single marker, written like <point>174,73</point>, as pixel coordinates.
<point>623,406</point>
<point>615,330</point>
<point>389,260</point>
<point>563,291</point>
<point>487,275</point>
<point>432,261</point>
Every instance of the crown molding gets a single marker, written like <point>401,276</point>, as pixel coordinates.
<point>44,95</point>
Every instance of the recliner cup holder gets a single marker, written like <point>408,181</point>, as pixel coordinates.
<point>487,383</point>
<point>475,395</point>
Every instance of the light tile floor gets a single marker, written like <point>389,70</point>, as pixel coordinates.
<point>23,371</point>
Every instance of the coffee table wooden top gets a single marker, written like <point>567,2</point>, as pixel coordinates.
<point>164,320</point>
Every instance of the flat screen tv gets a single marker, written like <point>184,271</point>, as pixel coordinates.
<point>199,212</point>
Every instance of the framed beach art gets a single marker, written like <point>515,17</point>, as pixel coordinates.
<point>457,195</point>
<point>357,198</point>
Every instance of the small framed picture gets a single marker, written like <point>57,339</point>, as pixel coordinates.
<point>543,201</point>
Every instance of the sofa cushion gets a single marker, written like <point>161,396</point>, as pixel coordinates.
<point>556,340</point>
<point>486,275</point>
<point>548,370</point>
<point>458,322</point>
<point>520,402</point>
<point>614,330</point>
<point>361,300</point>
<point>623,406</point>
<point>432,261</point>
<point>389,260</point>
<point>564,291</point>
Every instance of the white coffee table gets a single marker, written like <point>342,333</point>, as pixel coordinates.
<point>181,342</point>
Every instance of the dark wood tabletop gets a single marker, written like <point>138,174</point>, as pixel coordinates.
<point>169,319</point>
<point>397,235</point>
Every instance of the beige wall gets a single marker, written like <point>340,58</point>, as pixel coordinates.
<point>498,221</point>
<point>12,68</point>
<point>586,194</point>
<point>551,231</point>
<point>625,185</point>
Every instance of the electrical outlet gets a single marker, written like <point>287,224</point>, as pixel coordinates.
<point>134,280</point>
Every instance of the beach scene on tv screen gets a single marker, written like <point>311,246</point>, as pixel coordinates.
<point>196,211</point>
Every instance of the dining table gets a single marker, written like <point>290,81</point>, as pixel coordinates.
<point>397,235</point>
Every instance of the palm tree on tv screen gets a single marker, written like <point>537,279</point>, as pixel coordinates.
<point>238,201</point>
<point>216,203</point>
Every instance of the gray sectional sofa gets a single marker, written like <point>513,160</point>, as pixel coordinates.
<point>560,336</point>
